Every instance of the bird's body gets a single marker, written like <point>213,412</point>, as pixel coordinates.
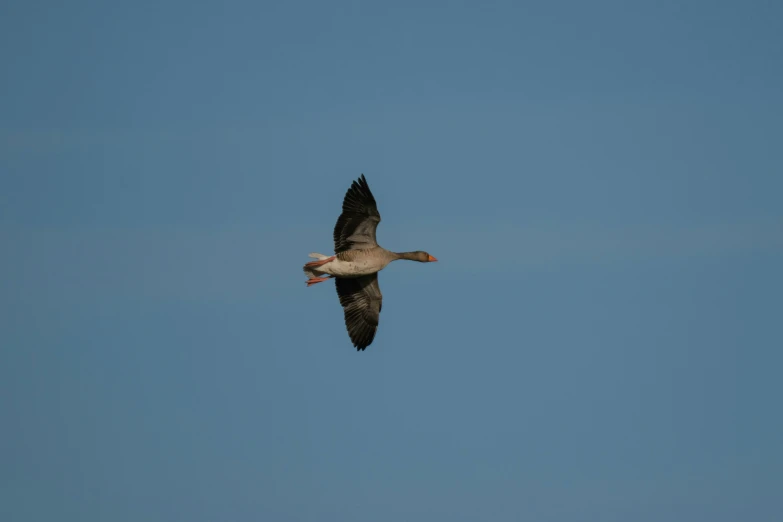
<point>355,263</point>
<point>357,260</point>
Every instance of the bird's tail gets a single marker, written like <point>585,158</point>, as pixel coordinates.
<point>311,271</point>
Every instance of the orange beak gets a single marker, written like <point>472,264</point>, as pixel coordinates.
<point>431,259</point>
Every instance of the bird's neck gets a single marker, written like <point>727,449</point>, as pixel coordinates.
<point>410,256</point>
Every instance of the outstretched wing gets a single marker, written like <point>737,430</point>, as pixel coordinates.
<point>361,300</point>
<point>355,228</point>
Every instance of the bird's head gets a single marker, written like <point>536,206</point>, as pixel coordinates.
<point>423,257</point>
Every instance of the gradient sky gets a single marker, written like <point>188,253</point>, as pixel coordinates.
<point>600,341</point>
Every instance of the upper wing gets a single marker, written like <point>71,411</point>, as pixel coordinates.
<point>356,226</point>
<point>361,300</point>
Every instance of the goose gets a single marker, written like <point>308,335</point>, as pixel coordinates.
<point>356,262</point>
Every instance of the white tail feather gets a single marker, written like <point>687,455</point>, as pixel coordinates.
<point>312,272</point>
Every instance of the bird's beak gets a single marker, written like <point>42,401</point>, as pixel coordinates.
<point>431,259</point>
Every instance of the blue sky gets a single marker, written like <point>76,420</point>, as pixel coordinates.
<point>600,181</point>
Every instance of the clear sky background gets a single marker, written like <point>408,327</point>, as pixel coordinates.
<point>601,181</point>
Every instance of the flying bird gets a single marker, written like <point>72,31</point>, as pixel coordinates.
<point>355,265</point>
